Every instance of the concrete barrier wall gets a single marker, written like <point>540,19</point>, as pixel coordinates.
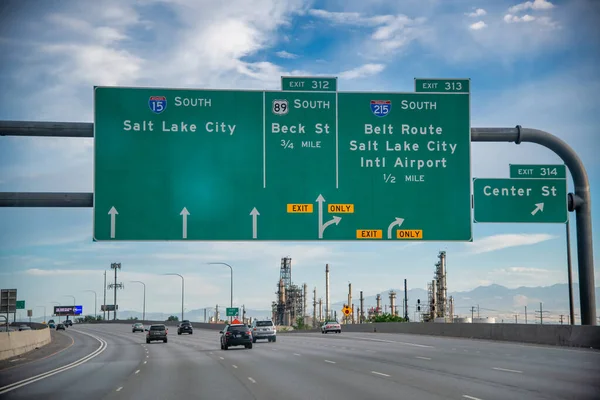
<point>15,343</point>
<point>556,335</point>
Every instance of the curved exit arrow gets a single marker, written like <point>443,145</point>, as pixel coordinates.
<point>538,207</point>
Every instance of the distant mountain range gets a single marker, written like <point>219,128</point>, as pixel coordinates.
<point>492,301</point>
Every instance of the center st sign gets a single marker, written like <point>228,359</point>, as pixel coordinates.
<point>175,164</point>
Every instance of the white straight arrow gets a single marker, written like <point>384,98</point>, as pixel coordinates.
<point>397,222</point>
<point>255,215</point>
<point>322,226</point>
<point>113,221</point>
<point>184,214</point>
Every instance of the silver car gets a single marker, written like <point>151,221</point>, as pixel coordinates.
<point>331,326</point>
<point>263,330</point>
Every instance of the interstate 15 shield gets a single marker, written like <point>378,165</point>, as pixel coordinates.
<point>157,104</point>
<point>381,108</point>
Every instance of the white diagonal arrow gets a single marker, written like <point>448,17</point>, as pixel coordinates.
<point>184,214</point>
<point>335,220</point>
<point>538,207</point>
<point>397,222</point>
<point>255,215</point>
<point>113,221</point>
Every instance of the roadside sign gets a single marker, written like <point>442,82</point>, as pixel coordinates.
<point>232,312</point>
<point>309,83</point>
<point>68,310</point>
<point>30,313</point>
<point>347,310</point>
<point>558,171</point>
<point>175,164</point>
<point>20,304</point>
<point>442,85</point>
<point>8,301</point>
<point>520,200</point>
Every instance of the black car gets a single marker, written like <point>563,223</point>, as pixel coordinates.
<point>68,322</point>
<point>156,332</point>
<point>236,335</point>
<point>185,327</point>
<point>61,327</point>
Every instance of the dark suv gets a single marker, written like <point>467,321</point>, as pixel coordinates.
<point>156,332</point>
<point>236,335</point>
<point>185,327</point>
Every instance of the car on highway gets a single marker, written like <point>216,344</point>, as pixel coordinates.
<point>61,327</point>
<point>236,335</point>
<point>137,327</point>
<point>51,325</point>
<point>68,322</point>
<point>185,327</point>
<point>24,328</point>
<point>331,326</point>
<point>264,329</point>
<point>157,332</point>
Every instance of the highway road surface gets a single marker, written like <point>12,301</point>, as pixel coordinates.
<point>111,362</point>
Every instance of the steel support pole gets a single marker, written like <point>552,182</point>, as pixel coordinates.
<point>581,202</point>
<point>570,273</point>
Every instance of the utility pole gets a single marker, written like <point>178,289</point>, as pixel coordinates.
<point>405,302</point>
<point>516,318</point>
<point>361,318</point>
<point>104,308</point>
<point>525,315</point>
<point>561,318</point>
<point>477,310</point>
<point>315,307</point>
<point>472,311</point>
<point>115,286</point>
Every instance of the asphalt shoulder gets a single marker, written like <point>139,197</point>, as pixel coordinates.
<point>59,342</point>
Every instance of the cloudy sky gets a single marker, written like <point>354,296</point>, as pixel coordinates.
<point>532,63</point>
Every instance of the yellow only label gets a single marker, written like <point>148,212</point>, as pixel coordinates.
<point>409,234</point>
<point>369,233</point>
<point>299,208</point>
<point>340,208</point>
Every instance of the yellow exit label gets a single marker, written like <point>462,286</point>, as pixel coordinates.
<point>341,208</point>
<point>299,208</point>
<point>409,234</point>
<point>369,234</point>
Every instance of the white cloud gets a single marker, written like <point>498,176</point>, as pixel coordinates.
<point>56,272</point>
<point>362,71</point>
<point>505,241</point>
<point>477,13</point>
<point>509,18</point>
<point>535,5</point>
<point>285,54</point>
<point>477,25</point>
<point>391,32</point>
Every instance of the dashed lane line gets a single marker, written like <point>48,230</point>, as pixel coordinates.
<point>508,370</point>
<point>379,373</point>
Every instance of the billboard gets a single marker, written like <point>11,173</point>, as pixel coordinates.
<point>68,310</point>
<point>108,307</point>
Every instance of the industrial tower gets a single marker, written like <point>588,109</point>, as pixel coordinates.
<point>291,299</point>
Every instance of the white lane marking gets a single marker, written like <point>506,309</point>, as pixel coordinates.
<point>234,366</point>
<point>24,382</point>
<point>119,388</point>
<point>221,358</point>
<point>145,362</point>
<point>471,397</point>
<point>251,379</point>
<point>296,354</point>
<point>393,341</point>
<point>147,356</point>
<point>137,372</point>
<point>210,352</point>
<point>330,362</point>
<point>423,358</point>
<point>379,373</point>
<point>508,370</point>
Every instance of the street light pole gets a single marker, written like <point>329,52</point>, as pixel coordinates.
<point>231,282</point>
<point>182,291</point>
<point>144,311</point>
<point>44,307</point>
<point>56,302</point>
<point>70,295</point>
<point>95,302</point>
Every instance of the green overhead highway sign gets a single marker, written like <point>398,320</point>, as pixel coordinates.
<point>423,85</point>
<point>20,304</point>
<point>232,312</point>
<point>177,164</point>
<point>309,83</point>
<point>558,171</point>
<point>520,200</point>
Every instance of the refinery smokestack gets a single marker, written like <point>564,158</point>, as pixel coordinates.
<point>327,291</point>
<point>378,309</point>
<point>304,310</point>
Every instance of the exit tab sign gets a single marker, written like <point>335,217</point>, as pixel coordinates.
<point>309,83</point>
<point>557,171</point>
<point>442,85</point>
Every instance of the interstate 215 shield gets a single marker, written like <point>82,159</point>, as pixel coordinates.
<point>381,108</point>
<point>157,104</point>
